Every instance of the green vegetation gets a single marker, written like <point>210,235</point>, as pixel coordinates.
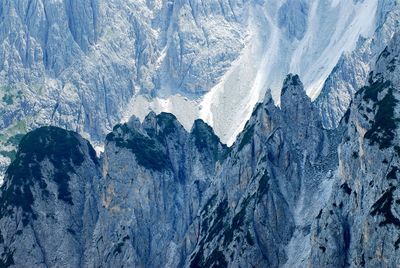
<point>219,220</point>
<point>249,238</point>
<point>9,95</point>
<point>14,140</point>
<point>383,129</point>
<point>293,80</point>
<point>62,180</point>
<point>205,140</point>
<point>346,116</point>
<point>71,231</point>
<point>345,187</point>
<point>237,222</point>
<point>118,247</point>
<point>18,128</point>
<point>60,147</point>
<point>7,258</point>
<point>211,226</point>
<point>392,65</point>
<point>8,99</point>
<point>397,150</point>
<point>385,53</point>
<point>149,152</point>
<point>384,125</point>
<point>209,204</point>
<point>255,111</point>
<point>397,243</point>
<point>57,144</point>
<point>392,175</point>
<point>167,123</point>
<point>371,92</point>
<point>92,153</point>
<point>9,154</point>
<point>263,185</point>
<point>383,207</point>
<point>216,260</point>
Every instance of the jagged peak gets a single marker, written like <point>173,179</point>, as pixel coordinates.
<point>201,127</point>
<point>162,124</point>
<point>133,123</point>
<point>152,124</point>
<point>293,93</point>
<point>65,150</point>
<point>388,61</point>
<point>168,120</point>
<point>199,123</point>
<point>150,116</point>
<point>291,80</point>
<point>205,137</point>
<point>267,98</point>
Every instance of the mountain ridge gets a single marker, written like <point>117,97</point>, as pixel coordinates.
<point>155,173</point>
<point>172,56</point>
<point>289,192</point>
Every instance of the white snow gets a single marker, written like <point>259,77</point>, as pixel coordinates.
<point>99,149</point>
<point>184,109</point>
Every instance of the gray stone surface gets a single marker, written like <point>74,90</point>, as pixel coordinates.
<point>351,72</point>
<point>287,193</point>
<point>165,197</point>
<point>49,201</point>
<point>86,65</point>
<point>360,225</point>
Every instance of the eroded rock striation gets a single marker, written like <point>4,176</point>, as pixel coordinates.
<point>287,193</point>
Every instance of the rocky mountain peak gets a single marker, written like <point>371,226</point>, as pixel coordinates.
<point>299,114</point>
<point>207,141</point>
<point>293,92</point>
<point>287,193</point>
<point>48,193</point>
<point>163,122</point>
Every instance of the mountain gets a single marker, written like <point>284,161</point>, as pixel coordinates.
<point>351,72</point>
<point>88,65</point>
<point>360,224</point>
<point>164,197</point>
<point>49,200</point>
<point>287,193</point>
<point>305,178</point>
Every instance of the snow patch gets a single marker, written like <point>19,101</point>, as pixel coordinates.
<point>269,53</point>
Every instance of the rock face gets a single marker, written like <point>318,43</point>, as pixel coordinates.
<point>48,203</point>
<point>62,60</point>
<point>287,193</point>
<point>165,197</point>
<point>271,176</point>
<point>351,72</point>
<point>360,226</point>
<point>154,178</point>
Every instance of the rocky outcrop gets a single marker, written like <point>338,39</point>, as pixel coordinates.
<point>351,72</point>
<point>166,197</point>
<point>360,225</point>
<point>287,193</point>
<point>48,203</point>
<point>62,60</point>
<point>270,176</point>
<point>154,178</point>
